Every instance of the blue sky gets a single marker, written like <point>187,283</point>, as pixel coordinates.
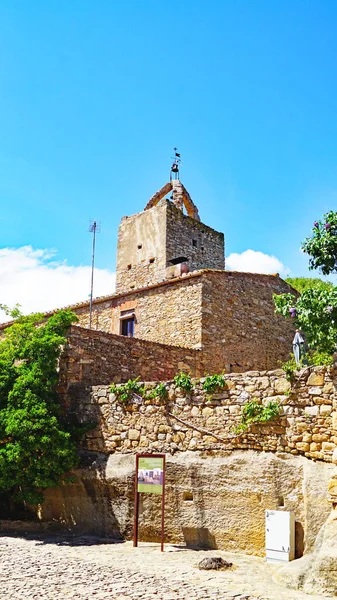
<point>94,95</point>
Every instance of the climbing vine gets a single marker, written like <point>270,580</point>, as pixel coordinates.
<point>253,412</point>
<point>183,381</point>
<point>125,392</point>
<point>214,383</point>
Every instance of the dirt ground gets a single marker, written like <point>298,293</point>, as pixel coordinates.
<point>87,568</point>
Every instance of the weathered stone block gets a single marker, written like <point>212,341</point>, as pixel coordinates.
<point>250,388</point>
<point>235,409</point>
<point>262,383</point>
<point>315,391</point>
<point>281,386</point>
<point>329,388</point>
<point>325,410</point>
<point>332,487</point>
<point>321,400</point>
<point>301,426</point>
<point>312,411</point>
<point>134,434</point>
<point>315,379</point>
<point>334,420</point>
<point>320,437</point>
<point>328,447</point>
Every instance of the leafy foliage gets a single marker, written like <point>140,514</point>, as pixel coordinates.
<point>313,358</point>
<point>183,381</point>
<point>315,313</point>
<point>320,359</point>
<point>125,391</point>
<point>290,367</point>
<point>213,383</point>
<point>35,447</point>
<point>160,391</point>
<point>255,412</point>
<point>300,284</point>
<point>322,245</point>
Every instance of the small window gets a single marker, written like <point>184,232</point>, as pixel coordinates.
<point>194,243</point>
<point>188,496</point>
<point>129,267</point>
<point>177,261</point>
<point>128,327</point>
<point>140,246</point>
<point>151,261</point>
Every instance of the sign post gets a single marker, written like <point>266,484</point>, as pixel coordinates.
<point>149,479</point>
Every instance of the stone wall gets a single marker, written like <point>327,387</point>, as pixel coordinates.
<point>141,249</point>
<point>101,315</point>
<point>217,487</point>
<point>205,422</point>
<point>202,246</point>
<point>168,314</point>
<point>229,315</point>
<point>149,241</point>
<point>239,324</point>
<point>92,356</point>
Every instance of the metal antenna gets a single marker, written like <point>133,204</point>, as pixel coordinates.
<point>175,165</point>
<point>94,227</point>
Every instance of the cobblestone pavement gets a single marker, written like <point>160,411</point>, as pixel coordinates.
<point>89,569</point>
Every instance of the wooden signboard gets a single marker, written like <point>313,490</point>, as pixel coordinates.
<point>149,479</point>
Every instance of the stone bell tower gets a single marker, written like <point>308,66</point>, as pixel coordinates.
<point>162,242</point>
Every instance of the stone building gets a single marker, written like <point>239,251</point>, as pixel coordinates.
<point>172,288</point>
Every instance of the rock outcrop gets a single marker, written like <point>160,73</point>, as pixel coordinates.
<point>212,500</point>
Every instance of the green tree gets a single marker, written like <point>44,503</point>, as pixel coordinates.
<point>315,310</point>
<point>36,450</point>
<point>315,313</point>
<point>322,245</point>
<point>300,284</point>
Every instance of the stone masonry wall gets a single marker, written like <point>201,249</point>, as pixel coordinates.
<point>229,315</point>
<point>92,356</point>
<point>150,240</point>
<point>201,245</point>
<point>141,249</point>
<point>168,314</point>
<point>307,426</point>
<point>239,324</point>
<point>101,315</point>
<point>217,487</point>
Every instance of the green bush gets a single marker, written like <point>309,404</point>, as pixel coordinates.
<point>160,391</point>
<point>183,381</point>
<point>214,383</point>
<point>254,412</point>
<point>290,367</point>
<point>125,391</point>
<point>36,446</point>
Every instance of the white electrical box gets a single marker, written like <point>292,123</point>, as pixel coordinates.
<point>280,536</point>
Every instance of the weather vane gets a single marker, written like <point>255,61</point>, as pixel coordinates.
<point>175,165</point>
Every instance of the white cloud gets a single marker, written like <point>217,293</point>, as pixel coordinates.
<point>252,261</point>
<point>33,279</point>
